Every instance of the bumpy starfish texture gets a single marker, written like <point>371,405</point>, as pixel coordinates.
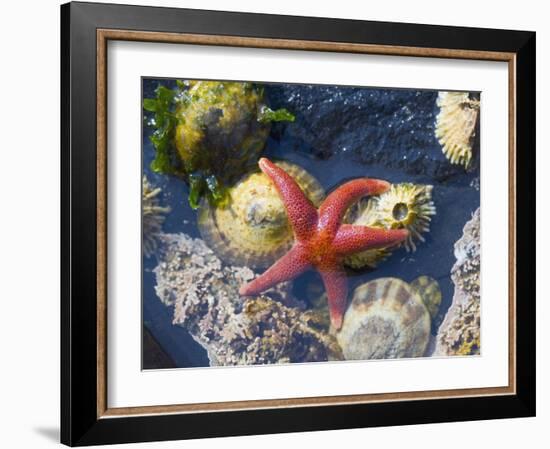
<point>321,240</point>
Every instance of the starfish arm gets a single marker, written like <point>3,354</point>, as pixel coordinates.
<point>336,285</point>
<point>337,203</point>
<point>354,238</point>
<point>288,267</point>
<point>301,213</point>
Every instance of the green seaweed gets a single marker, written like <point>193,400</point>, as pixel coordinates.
<point>217,190</point>
<point>164,121</point>
<point>199,184</point>
<point>196,187</point>
<point>279,115</point>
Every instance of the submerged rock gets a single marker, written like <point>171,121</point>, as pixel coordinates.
<point>459,334</point>
<point>271,328</point>
<point>392,127</point>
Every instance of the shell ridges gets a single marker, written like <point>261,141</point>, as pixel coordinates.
<point>455,125</point>
<point>252,229</point>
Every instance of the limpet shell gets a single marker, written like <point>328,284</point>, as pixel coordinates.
<point>428,289</point>
<point>251,228</point>
<point>387,318</point>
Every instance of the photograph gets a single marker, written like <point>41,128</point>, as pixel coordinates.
<point>275,224</point>
<point>299,223</point>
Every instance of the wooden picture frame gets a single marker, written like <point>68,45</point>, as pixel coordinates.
<point>85,417</point>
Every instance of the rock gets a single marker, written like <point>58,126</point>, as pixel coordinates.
<point>459,333</point>
<point>271,328</point>
<point>392,127</point>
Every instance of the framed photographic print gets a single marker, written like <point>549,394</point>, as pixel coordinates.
<point>277,224</point>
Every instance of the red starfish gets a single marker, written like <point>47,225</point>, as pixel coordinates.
<point>321,240</point>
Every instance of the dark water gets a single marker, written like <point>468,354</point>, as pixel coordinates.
<point>341,133</point>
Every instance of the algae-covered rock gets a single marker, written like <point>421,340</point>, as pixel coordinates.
<point>459,333</point>
<point>209,132</point>
<point>271,328</point>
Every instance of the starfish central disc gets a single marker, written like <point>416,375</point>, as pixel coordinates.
<point>321,240</point>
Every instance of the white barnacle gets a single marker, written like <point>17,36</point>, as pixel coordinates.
<point>153,215</point>
<point>455,125</point>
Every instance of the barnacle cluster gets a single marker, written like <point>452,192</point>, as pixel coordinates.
<point>459,334</point>
<point>153,215</point>
<point>455,125</point>
<point>203,292</point>
<point>462,337</point>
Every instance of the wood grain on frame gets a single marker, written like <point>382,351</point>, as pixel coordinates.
<point>101,187</point>
<point>103,36</point>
